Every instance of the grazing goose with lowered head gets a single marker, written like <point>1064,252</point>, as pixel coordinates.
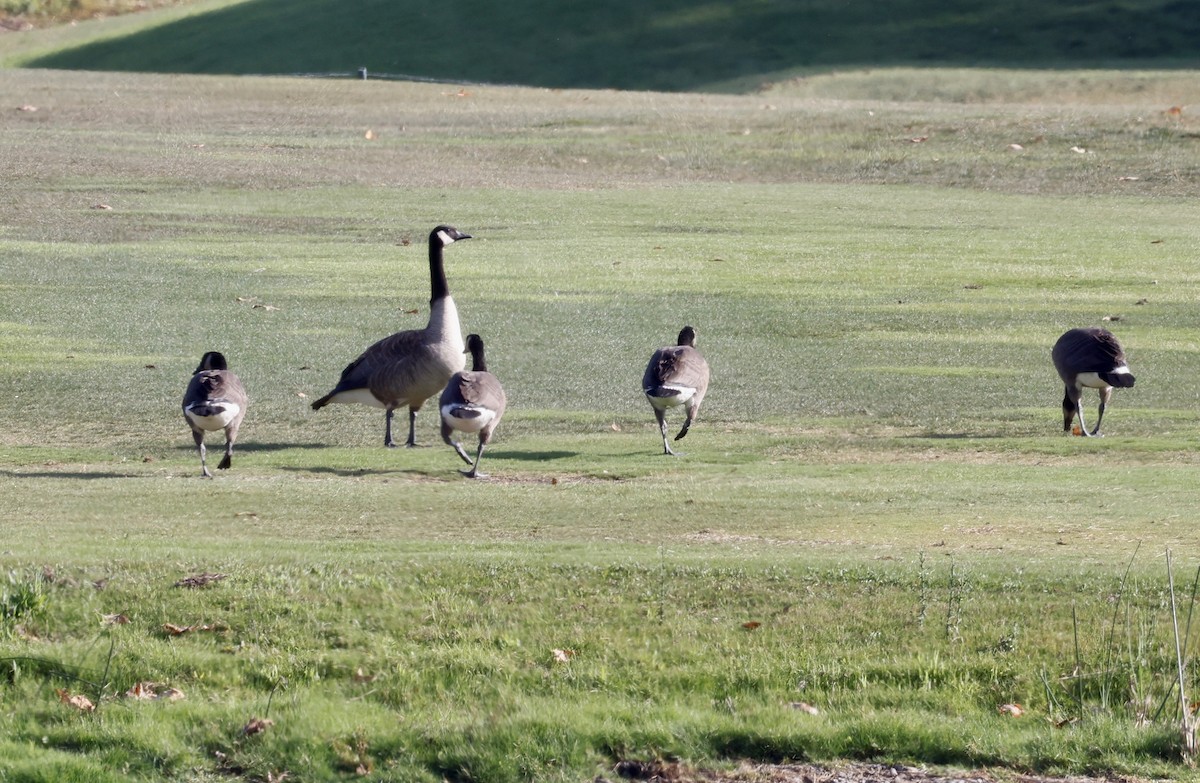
<point>409,367</point>
<point>1089,358</point>
<point>676,375</point>
<point>473,401</point>
<point>214,400</point>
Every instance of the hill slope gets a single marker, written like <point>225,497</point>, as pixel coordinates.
<point>629,44</point>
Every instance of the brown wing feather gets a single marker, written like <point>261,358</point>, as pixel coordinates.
<point>483,389</point>
<point>677,364</point>
<point>393,369</point>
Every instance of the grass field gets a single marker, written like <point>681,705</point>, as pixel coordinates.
<point>877,514</point>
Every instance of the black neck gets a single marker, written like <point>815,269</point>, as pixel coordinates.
<point>478,362</point>
<point>437,271</point>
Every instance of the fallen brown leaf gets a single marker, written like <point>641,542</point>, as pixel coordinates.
<point>199,580</point>
<point>116,619</point>
<point>179,630</point>
<point>81,703</point>
<point>143,691</point>
<point>257,726</point>
<point>562,656</point>
<point>750,626</point>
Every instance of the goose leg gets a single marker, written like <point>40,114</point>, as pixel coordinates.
<point>1105,396</point>
<point>662,427</point>
<point>227,460</point>
<point>199,438</point>
<point>1083,430</point>
<point>687,423</point>
<point>474,471</point>
<point>387,431</point>
<point>412,428</point>
<point>447,431</point>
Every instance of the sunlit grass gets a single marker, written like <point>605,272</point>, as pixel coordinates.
<point>876,515</point>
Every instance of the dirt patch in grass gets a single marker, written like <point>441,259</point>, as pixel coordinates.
<point>836,773</point>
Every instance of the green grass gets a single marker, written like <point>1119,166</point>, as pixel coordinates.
<point>676,46</point>
<point>877,478</point>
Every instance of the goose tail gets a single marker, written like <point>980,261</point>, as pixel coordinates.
<point>1122,380</point>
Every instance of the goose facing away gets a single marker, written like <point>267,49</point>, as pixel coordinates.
<point>1089,358</point>
<point>409,367</point>
<point>214,400</point>
<point>676,375</point>
<point>473,401</point>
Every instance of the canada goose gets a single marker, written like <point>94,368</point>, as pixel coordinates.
<point>1090,358</point>
<point>676,375</point>
<point>214,400</point>
<point>473,401</point>
<point>411,366</point>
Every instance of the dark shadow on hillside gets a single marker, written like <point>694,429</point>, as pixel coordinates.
<point>673,45</point>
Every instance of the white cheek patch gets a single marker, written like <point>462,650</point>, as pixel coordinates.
<point>1122,370</point>
<point>445,238</point>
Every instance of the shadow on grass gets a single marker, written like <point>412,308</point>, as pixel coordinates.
<point>529,456</point>
<point>255,446</point>
<point>68,474</point>
<point>960,436</point>
<point>352,472</point>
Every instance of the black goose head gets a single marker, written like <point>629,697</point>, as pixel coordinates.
<point>213,360</point>
<point>446,235</point>
<point>475,348</point>
<point>687,336</point>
